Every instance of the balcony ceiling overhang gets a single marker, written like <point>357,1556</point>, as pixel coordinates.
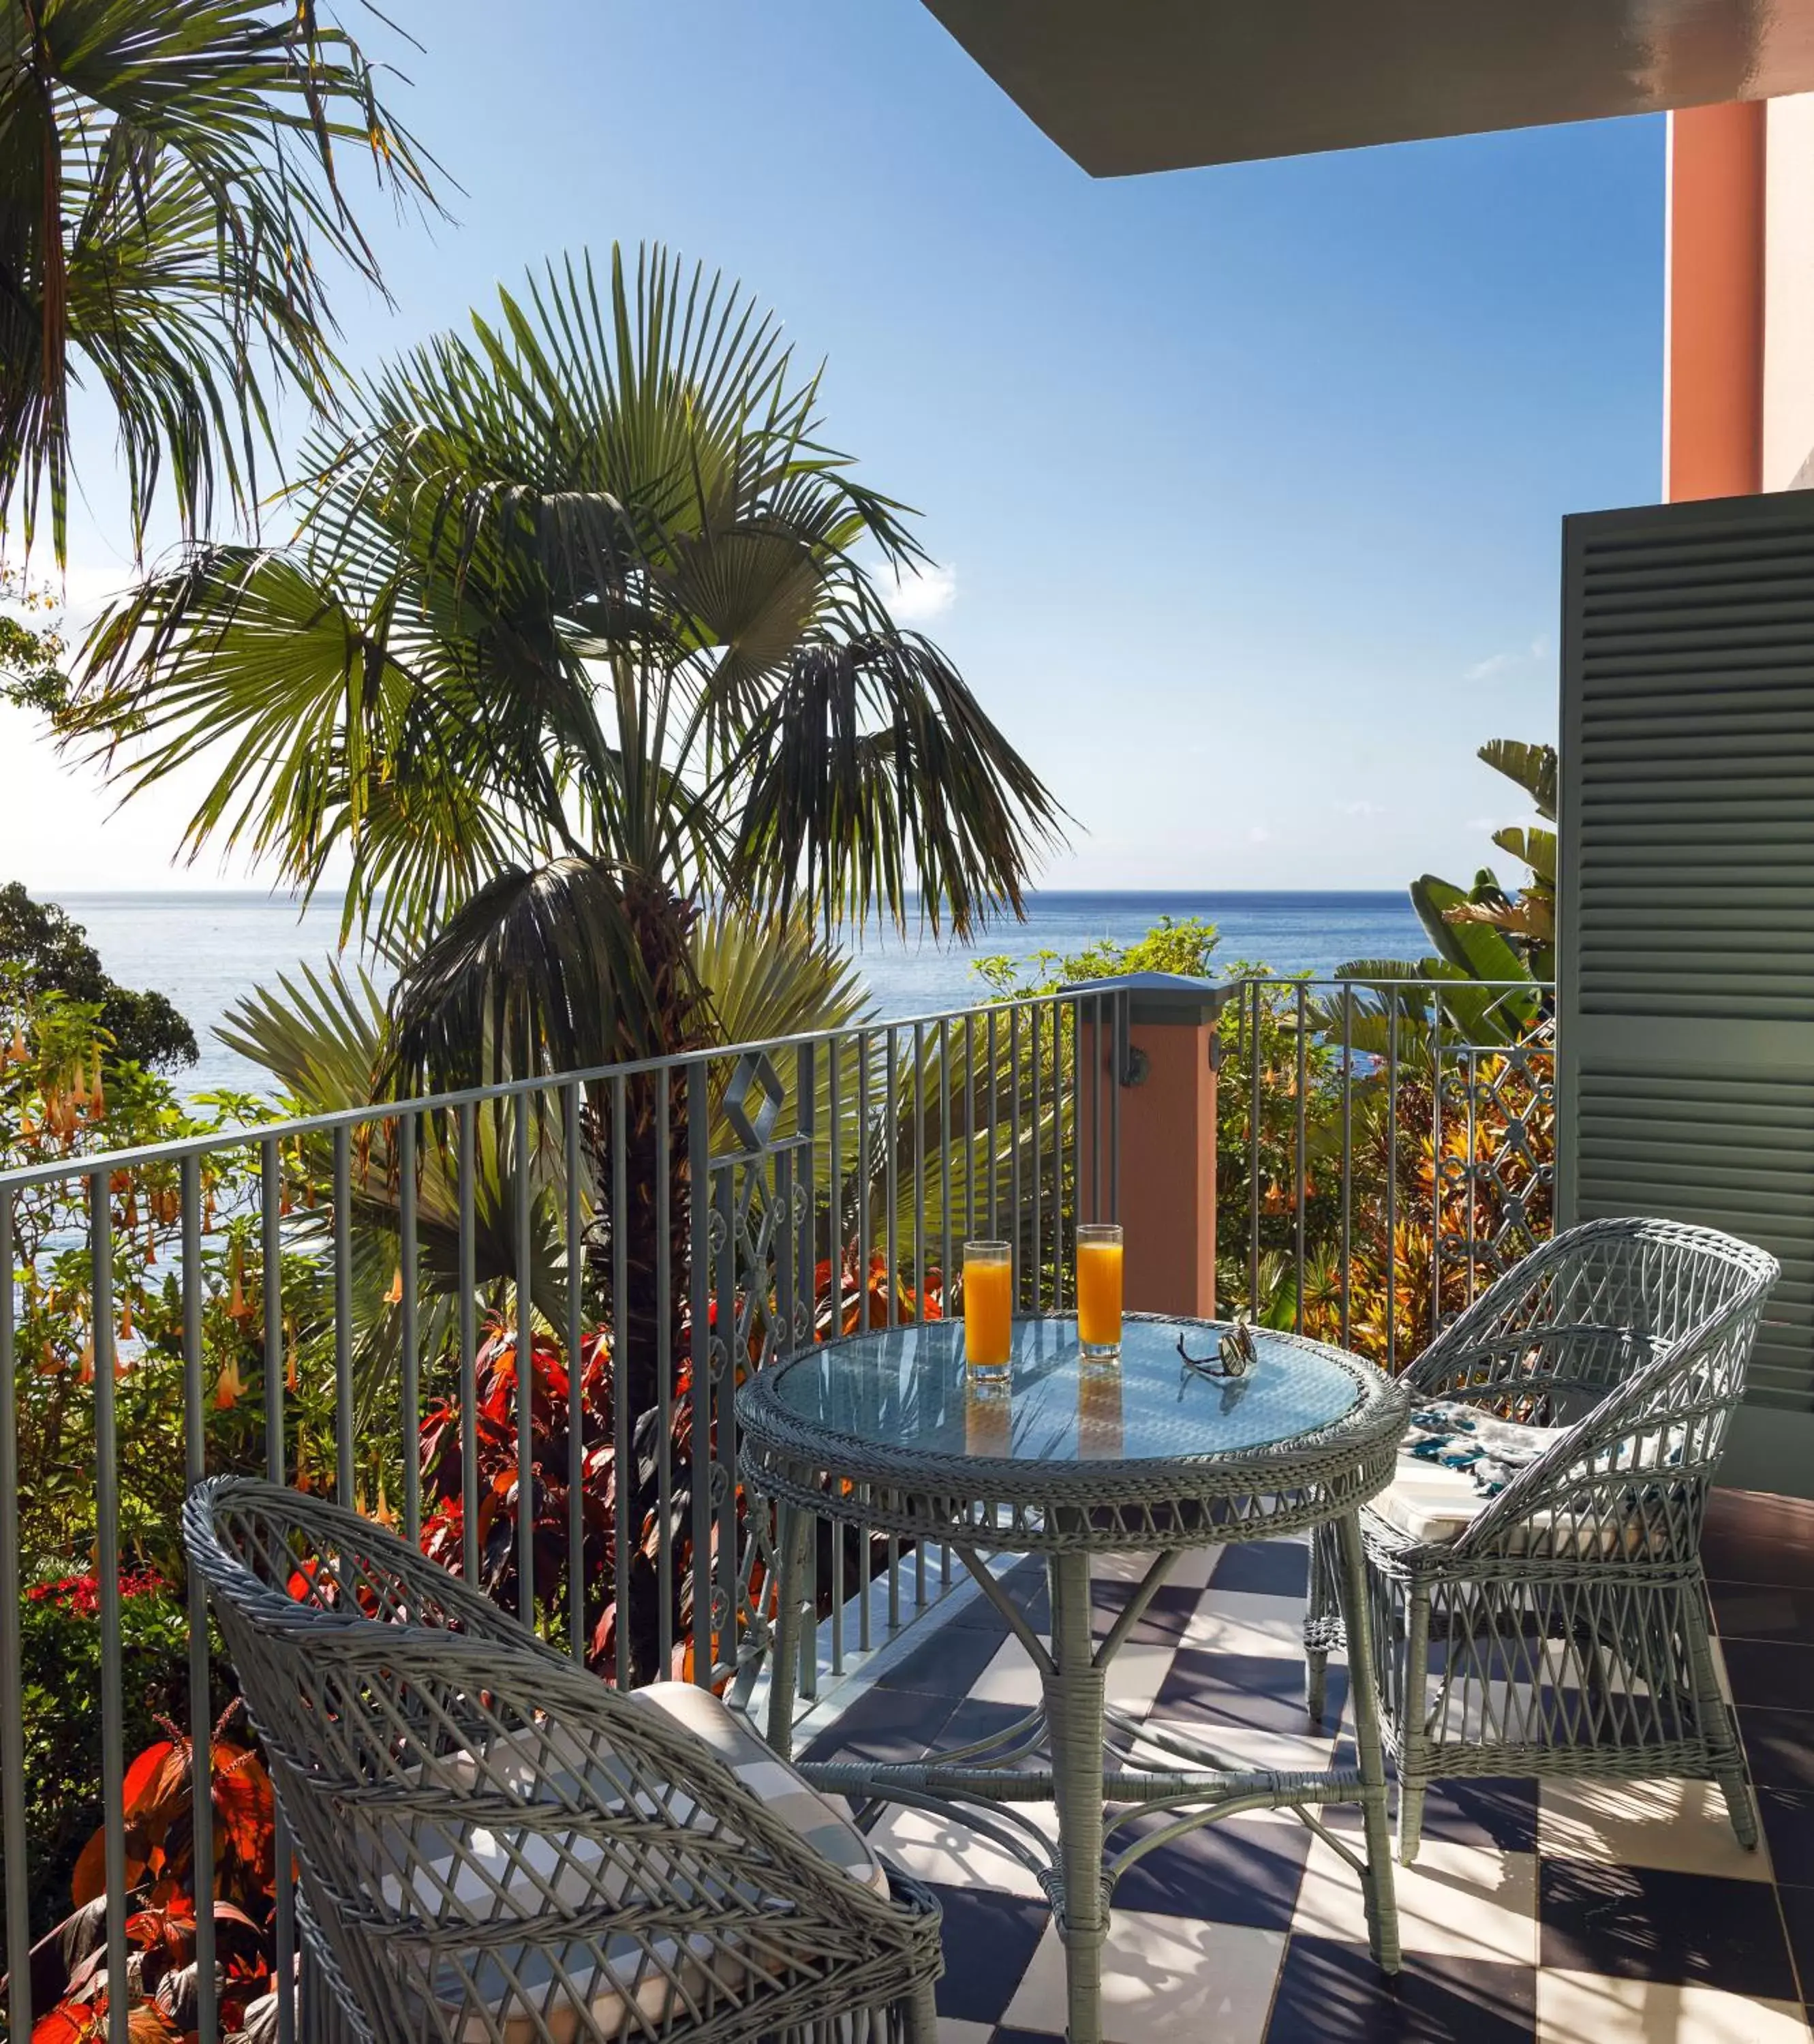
<point>1127,86</point>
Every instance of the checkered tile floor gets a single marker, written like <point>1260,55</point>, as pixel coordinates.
<point>1610,1913</point>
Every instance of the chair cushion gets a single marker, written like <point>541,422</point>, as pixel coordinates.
<point>1433,1502</point>
<point>823,1821</point>
<point>499,1872</point>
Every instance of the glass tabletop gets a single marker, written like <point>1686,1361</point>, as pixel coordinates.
<point>910,1388</point>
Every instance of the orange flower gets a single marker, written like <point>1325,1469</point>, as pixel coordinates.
<point>229,1387</point>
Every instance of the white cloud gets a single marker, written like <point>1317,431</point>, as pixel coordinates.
<point>1259,835</point>
<point>1362,809</point>
<point>1501,663</point>
<point>917,599</point>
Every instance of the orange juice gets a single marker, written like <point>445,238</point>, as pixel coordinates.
<point>988,1305</point>
<point>988,1419</point>
<point>1099,1289</point>
<point>1099,1434</point>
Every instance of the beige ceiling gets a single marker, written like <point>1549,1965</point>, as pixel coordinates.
<point>1124,86</point>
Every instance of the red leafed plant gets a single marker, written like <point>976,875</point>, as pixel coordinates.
<point>857,1304</point>
<point>69,1968</point>
<point>496,1491</point>
<point>496,1487</point>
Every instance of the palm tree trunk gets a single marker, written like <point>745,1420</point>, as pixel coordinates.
<point>663,922</point>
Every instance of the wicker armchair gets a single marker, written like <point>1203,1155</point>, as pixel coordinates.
<point>496,1849</point>
<point>1560,1627</point>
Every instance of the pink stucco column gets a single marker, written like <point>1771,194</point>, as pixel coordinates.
<point>1713,334</point>
<point>1148,1130</point>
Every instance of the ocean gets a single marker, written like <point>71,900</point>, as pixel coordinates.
<point>205,950</point>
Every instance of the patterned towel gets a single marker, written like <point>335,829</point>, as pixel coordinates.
<point>1461,1437</point>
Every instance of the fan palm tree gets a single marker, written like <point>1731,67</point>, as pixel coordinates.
<point>576,635</point>
<point>171,207</point>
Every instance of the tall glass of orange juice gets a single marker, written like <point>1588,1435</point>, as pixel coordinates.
<point>1099,1288</point>
<point>988,1306</point>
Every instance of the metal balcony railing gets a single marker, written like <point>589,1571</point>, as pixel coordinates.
<point>345,1302</point>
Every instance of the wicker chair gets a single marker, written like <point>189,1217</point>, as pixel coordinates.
<point>1560,1627</point>
<point>496,1849</point>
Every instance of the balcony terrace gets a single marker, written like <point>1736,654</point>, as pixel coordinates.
<point>1622,1913</point>
<point>1378,1155</point>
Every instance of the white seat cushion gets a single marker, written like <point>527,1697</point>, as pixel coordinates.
<point>506,1872</point>
<point>1433,1504</point>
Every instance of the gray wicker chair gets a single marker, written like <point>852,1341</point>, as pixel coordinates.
<point>1560,1627</point>
<point>496,1849</point>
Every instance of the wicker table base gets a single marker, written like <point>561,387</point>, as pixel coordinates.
<point>1077,1753</point>
<point>890,1432</point>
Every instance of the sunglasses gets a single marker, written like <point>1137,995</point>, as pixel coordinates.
<point>1235,1356</point>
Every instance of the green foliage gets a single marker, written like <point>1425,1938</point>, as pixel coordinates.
<point>32,652</point>
<point>43,953</point>
<point>173,201</point>
<point>60,1652</point>
<point>1169,946</point>
<point>1484,932</point>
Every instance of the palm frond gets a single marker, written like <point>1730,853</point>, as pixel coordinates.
<point>542,971</point>
<point>875,769</point>
<point>172,208</point>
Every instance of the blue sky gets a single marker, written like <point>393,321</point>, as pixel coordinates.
<point>1245,483</point>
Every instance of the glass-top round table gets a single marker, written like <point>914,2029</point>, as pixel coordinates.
<point>1065,1457</point>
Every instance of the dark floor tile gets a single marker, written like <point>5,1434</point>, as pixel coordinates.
<point>1025,1586</point>
<point>974,1720</point>
<point>1268,1568</point>
<point>989,1942</point>
<point>1771,1674</point>
<point>1026,2037</point>
<point>883,1724</point>
<point>1642,1923</point>
<point>1798,1916</point>
<point>1264,1690</point>
<point>1752,1537</point>
<point>1763,1611</point>
<point>948,1663</point>
<point>977,1613</point>
<point>1503,1814</point>
<point>1163,1622</point>
<point>1780,1745</point>
<point>1242,1870</point>
<point>1788,1817</point>
<point>1331,1993</point>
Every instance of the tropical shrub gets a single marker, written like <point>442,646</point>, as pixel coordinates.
<point>166,1893</point>
<point>60,1640</point>
<point>47,953</point>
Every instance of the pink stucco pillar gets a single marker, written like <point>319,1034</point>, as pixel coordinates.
<point>1713,331</point>
<point>1147,1132</point>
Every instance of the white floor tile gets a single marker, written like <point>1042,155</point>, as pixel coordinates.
<point>1135,1677</point>
<point>1165,1979</point>
<point>1680,1826</point>
<point>950,1855</point>
<point>1243,1622</point>
<point>1472,1902</point>
<point>951,2031</point>
<point>1009,1678</point>
<point>1190,1570</point>
<point>1586,2009</point>
<point>1241,1745</point>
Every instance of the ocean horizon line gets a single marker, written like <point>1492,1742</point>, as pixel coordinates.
<point>276,898</point>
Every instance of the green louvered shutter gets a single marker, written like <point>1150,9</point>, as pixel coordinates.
<point>1686,1065</point>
